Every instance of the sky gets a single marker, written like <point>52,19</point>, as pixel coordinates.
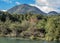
<point>44,5</point>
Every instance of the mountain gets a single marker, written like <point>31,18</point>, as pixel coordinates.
<point>52,13</point>
<point>25,8</point>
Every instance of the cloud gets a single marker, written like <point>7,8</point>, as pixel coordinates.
<point>44,8</point>
<point>4,10</point>
<point>17,3</point>
<point>11,1</point>
<point>35,6</point>
<point>47,9</point>
<point>8,1</point>
<point>48,5</point>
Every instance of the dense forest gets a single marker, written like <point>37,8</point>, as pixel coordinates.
<point>30,26</point>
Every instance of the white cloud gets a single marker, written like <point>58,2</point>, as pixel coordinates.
<point>42,2</point>
<point>4,10</point>
<point>48,5</point>
<point>8,1</point>
<point>17,3</point>
<point>43,8</point>
<point>47,9</point>
<point>35,5</point>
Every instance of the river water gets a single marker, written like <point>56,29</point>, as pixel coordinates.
<point>14,40</point>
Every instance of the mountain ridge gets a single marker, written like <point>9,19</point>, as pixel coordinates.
<point>25,8</point>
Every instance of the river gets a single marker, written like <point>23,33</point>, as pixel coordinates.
<point>14,40</point>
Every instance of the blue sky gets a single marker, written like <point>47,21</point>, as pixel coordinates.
<point>6,4</point>
<point>44,5</point>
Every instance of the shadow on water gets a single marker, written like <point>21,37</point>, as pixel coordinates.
<point>57,41</point>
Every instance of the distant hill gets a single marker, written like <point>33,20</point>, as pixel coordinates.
<point>25,8</point>
<point>52,13</point>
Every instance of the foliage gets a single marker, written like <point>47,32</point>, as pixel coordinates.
<point>30,25</point>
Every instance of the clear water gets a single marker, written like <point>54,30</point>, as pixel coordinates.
<point>13,40</point>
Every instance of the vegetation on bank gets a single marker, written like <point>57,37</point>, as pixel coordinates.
<point>31,26</point>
